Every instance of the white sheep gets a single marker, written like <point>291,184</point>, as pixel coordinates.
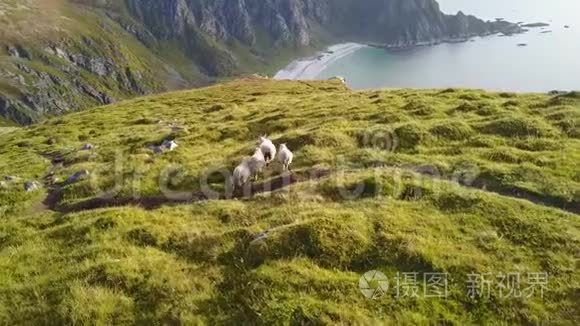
<point>267,148</point>
<point>285,157</point>
<point>242,174</point>
<point>247,168</point>
<point>257,162</point>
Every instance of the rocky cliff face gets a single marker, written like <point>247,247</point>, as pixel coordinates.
<point>131,47</point>
<point>68,75</point>
<point>225,20</point>
<point>294,22</point>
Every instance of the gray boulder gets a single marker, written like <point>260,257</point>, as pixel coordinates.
<point>31,186</point>
<point>10,178</point>
<point>157,149</point>
<point>169,145</point>
<point>88,147</point>
<point>18,52</point>
<point>259,76</point>
<point>260,237</point>
<point>557,92</point>
<point>81,175</point>
<point>338,78</point>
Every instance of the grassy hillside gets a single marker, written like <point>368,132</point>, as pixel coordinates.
<point>399,181</point>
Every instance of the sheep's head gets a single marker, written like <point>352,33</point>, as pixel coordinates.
<point>262,139</point>
<point>283,146</point>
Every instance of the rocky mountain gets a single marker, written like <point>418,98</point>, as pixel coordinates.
<point>62,55</point>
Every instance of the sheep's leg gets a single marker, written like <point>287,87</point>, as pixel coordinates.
<point>236,185</point>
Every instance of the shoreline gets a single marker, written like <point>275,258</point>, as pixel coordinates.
<point>309,68</point>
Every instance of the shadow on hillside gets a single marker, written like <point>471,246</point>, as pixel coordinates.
<point>543,200</point>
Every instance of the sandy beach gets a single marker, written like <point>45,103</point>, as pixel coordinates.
<point>310,68</point>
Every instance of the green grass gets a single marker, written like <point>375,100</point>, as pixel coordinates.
<point>6,123</point>
<point>388,204</point>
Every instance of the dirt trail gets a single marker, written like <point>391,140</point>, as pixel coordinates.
<point>53,188</point>
<point>154,202</point>
<point>270,185</point>
<point>516,193</point>
<point>549,201</point>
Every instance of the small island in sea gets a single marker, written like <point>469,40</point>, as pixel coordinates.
<point>534,25</point>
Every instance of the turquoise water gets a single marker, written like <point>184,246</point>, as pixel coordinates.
<point>549,61</point>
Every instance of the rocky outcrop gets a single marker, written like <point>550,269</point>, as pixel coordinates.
<point>15,111</point>
<point>406,23</point>
<point>226,20</point>
<point>169,18</point>
<point>66,75</point>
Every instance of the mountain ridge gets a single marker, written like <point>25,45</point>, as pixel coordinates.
<point>83,53</point>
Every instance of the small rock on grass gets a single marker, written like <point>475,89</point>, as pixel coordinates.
<point>260,237</point>
<point>338,78</point>
<point>31,186</point>
<point>169,145</point>
<point>81,175</point>
<point>156,149</point>
<point>88,147</point>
